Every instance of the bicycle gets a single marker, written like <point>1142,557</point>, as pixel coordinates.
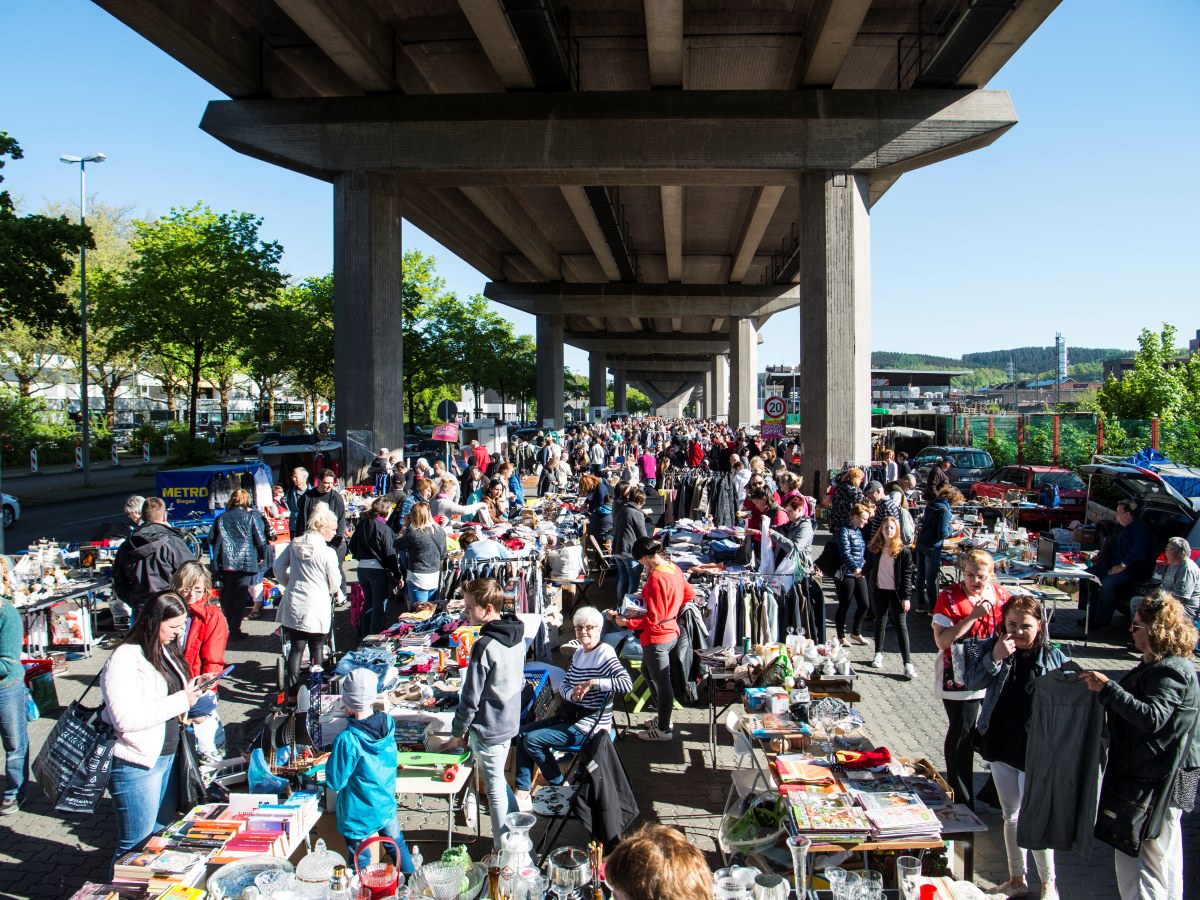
<point>195,530</point>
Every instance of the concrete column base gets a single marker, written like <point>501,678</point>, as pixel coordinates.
<point>720,381</point>
<point>743,372</point>
<point>597,380</point>
<point>620,403</point>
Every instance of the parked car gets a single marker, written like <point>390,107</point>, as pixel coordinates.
<point>1028,481</point>
<point>971,465</point>
<point>12,510</point>
<point>259,439</point>
<point>1164,509</point>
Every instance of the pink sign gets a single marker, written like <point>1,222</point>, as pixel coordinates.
<point>445,432</point>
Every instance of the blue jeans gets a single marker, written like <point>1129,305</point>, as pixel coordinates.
<point>536,746</point>
<point>392,830</point>
<point>416,595</point>
<point>490,762</point>
<point>14,733</point>
<point>144,800</point>
<point>1113,589</point>
<point>376,584</point>
<point>929,564</point>
<point>629,572</point>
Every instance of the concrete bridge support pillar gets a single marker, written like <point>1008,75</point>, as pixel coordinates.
<point>620,404</point>
<point>706,402</point>
<point>550,371</point>
<point>743,371</point>
<point>597,379</point>
<point>835,333</point>
<point>367,319</point>
<point>720,383</point>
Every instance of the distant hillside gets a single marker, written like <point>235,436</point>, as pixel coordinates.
<point>1028,361</point>
<point>886,359</point>
<point>1039,359</point>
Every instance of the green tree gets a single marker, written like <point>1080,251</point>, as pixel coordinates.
<point>193,279</point>
<point>32,353</point>
<point>1153,387</point>
<point>306,312</point>
<point>37,254</point>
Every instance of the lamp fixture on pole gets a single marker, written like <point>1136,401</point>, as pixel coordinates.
<point>83,358</point>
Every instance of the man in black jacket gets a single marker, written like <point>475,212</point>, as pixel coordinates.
<point>294,497</point>
<point>145,563</point>
<point>323,492</point>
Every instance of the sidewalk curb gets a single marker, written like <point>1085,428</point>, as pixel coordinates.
<point>75,494</point>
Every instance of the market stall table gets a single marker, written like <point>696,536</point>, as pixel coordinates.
<point>76,628</point>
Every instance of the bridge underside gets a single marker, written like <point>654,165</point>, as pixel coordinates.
<point>653,181</point>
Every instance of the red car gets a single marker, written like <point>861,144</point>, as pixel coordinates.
<point>1029,481</point>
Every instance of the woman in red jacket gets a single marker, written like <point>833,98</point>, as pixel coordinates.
<point>665,592</point>
<point>204,638</point>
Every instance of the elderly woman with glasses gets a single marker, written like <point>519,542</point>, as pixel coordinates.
<point>594,679</point>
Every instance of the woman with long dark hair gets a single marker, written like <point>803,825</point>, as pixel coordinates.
<point>891,574</point>
<point>1006,667</point>
<point>147,693</point>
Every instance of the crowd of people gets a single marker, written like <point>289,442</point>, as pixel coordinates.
<point>884,554</point>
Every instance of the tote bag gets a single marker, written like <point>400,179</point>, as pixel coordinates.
<point>73,765</point>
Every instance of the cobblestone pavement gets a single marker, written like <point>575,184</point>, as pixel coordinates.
<point>43,855</point>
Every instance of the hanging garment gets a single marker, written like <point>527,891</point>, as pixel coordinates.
<point>1068,749</point>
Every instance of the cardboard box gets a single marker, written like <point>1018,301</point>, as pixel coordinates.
<point>1085,537</point>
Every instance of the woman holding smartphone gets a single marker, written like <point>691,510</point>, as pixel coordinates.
<point>147,693</point>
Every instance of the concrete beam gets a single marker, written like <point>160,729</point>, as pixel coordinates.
<point>586,218</point>
<point>643,343</point>
<point>636,300</point>
<point>676,137</point>
<point>449,227</point>
<point>368,321</point>
<point>507,214</point>
<point>672,215</point>
<point>766,198</point>
<point>835,322</point>
<point>1007,40</point>
<point>495,35</point>
<point>550,371</point>
<point>664,42</point>
<point>360,43</point>
<point>658,364</point>
<point>829,35</point>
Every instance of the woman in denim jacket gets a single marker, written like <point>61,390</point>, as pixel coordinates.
<point>1006,665</point>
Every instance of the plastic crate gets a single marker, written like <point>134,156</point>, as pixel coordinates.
<point>536,696</point>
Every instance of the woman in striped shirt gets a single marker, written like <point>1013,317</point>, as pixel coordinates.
<point>587,690</point>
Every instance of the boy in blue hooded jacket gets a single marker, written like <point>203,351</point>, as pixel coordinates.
<point>362,769</point>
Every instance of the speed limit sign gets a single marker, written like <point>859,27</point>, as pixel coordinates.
<point>774,408</point>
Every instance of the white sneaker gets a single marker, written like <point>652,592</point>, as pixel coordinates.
<point>910,671</point>
<point>1049,891</point>
<point>877,662</point>
<point>569,647</point>
<point>654,733</point>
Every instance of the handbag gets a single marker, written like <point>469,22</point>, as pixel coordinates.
<point>192,790</point>
<point>1122,821</point>
<point>830,560</point>
<point>73,766</point>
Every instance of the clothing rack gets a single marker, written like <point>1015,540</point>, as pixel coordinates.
<point>521,575</point>
<point>697,493</point>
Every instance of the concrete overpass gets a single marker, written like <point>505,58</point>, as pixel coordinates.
<point>652,179</point>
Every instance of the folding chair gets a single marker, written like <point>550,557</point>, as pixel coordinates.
<point>604,561</point>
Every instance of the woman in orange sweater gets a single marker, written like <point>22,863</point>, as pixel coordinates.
<point>665,592</point>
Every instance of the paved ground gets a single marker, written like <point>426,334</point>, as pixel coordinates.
<point>43,855</point>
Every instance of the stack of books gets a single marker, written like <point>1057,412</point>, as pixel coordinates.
<point>822,816</point>
<point>159,871</point>
<point>895,811</point>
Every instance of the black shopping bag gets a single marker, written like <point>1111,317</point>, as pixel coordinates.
<point>73,765</point>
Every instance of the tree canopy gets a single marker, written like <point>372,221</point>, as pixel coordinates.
<point>37,254</point>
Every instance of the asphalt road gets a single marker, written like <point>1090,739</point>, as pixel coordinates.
<point>66,520</point>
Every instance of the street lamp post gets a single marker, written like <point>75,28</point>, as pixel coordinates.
<point>83,359</point>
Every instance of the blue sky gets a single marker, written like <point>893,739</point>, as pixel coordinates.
<point>1081,219</point>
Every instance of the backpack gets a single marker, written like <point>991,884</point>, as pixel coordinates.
<point>908,528</point>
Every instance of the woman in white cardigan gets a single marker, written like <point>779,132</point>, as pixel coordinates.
<point>147,693</point>
<point>310,574</point>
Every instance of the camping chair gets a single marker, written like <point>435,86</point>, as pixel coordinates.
<point>572,776</point>
<point>604,561</point>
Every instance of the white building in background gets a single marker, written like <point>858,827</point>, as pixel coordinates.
<point>140,398</point>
